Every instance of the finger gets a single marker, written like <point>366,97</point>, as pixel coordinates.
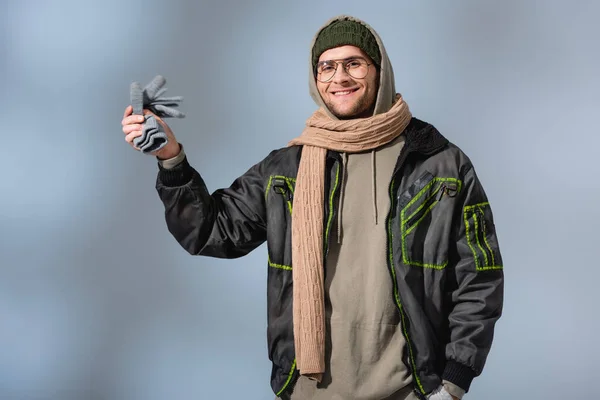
<point>132,119</point>
<point>129,137</point>
<point>127,129</point>
<point>148,112</point>
<point>128,111</point>
<point>157,118</point>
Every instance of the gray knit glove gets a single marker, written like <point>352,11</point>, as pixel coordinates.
<point>153,137</point>
<point>440,394</point>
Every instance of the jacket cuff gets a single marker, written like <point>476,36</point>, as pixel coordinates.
<point>179,175</point>
<point>458,374</point>
<point>173,162</point>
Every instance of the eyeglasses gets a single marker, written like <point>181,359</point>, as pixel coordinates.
<point>356,67</point>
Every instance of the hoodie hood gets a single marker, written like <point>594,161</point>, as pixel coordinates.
<point>386,92</point>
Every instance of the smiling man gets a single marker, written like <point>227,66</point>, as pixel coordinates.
<point>385,278</point>
<point>351,93</point>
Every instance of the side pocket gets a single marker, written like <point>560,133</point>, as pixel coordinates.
<point>284,186</point>
<point>481,236</point>
<point>425,233</point>
<point>285,189</point>
<point>279,197</point>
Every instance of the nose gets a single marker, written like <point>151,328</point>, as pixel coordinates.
<point>340,74</point>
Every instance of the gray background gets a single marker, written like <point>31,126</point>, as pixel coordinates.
<point>97,301</point>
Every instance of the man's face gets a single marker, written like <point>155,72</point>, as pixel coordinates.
<point>345,96</point>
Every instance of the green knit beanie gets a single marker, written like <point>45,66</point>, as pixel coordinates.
<point>345,32</point>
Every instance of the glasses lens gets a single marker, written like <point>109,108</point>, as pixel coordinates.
<point>357,68</point>
<point>326,70</point>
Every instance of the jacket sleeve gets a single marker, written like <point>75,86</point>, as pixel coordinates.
<point>477,296</point>
<point>229,223</point>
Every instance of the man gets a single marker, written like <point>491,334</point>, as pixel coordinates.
<point>385,278</point>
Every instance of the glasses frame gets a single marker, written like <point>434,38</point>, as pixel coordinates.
<point>342,61</point>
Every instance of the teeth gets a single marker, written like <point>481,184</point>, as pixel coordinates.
<point>343,93</point>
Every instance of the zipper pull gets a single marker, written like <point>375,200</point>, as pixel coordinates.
<point>482,219</point>
<point>442,191</point>
<point>452,190</point>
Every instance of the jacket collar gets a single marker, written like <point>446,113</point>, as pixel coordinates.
<point>421,137</point>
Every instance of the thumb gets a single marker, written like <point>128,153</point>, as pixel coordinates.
<point>148,112</point>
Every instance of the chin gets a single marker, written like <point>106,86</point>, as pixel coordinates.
<point>351,110</point>
<point>343,110</point>
<point>350,114</point>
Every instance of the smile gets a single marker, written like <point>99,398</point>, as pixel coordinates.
<point>344,92</point>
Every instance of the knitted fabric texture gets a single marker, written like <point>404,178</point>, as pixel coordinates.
<point>345,32</point>
<point>321,134</point>
<point>153,137</point>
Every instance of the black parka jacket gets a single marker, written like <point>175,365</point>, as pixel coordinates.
<point>443,254</point>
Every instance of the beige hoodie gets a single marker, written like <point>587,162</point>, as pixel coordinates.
<point>364,346</point>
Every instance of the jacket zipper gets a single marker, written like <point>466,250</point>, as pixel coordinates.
<point>441,193</point>
<point>330,207</point>
<point>481,220</point>
<point>480,216</point>
<point>390,261</point>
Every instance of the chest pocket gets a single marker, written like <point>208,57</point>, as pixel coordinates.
<point>279,198</point>
<point>425,210</point>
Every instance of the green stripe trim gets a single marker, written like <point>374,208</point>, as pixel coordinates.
<point>468,235</point>
<point>468,211</point>
<point>476,223</point>
<point>434,181</point>
<point>490,268</point>
<point>487,243</point>
<point>409,230</point>
<point>279,266</point>
<point>397,295</point>
<point>268,186</point>
<point>486,203</point>
<point>289,181</point>
<point>337,176</point>
<point>414,199</point>
<point>289,379</point>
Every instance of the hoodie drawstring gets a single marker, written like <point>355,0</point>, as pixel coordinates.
<point>339,222</point>
<point>374,184</point>
<point>343,185</point>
